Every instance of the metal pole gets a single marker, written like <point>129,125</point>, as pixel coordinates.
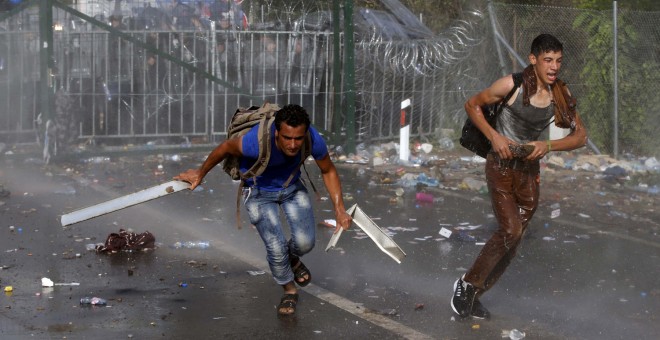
<point>616,82</point>
<point>491,14</point>
<point>349,79</point>
<point>336,70</point>
<point>46,58</point>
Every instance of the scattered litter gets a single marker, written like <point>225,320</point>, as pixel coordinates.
<point>584,215</point>
<point>423,197</point>
<point>402,228</point>
<point>423,238</point>
<point>548,238</point>
<point>386,312</point>
<point>330,223</point>
<point>445,232</point>
<point>93,301</point>
<point>256,272</point>
<point>513,334</point>
<point>127,241</point>
<point>468,227</point>
<point>9,289</point>
<point>46,282</point>
<point>555,213</point>
<point>192,245</point>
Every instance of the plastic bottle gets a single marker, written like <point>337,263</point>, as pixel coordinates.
<point>95,301</point>
<point>191,245</point>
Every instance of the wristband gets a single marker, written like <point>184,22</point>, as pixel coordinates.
<point>549,145</point>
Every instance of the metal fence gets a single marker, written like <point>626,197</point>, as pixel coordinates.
<point>110,88</point>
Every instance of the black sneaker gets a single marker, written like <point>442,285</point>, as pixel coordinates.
<point>463,299</point>
<point>479,311</point>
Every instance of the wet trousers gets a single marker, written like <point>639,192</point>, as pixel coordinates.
<point>263,208</point>
<point>514,189</point>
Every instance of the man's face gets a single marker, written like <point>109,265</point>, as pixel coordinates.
<point>290,139</point>
<point>547,66</point>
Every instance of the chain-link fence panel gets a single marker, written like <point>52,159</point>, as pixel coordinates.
<point>282,51</point>
<point>19,75</point>
<point>588,68</point>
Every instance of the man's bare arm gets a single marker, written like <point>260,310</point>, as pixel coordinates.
<point>333,185</point>
<point>493,94</point>
<point>232,147</point>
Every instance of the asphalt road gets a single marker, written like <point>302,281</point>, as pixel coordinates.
<point>590,273</point>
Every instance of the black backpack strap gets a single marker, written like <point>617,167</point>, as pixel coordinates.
<point>517,81</point>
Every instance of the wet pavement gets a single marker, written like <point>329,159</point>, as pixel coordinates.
<point>587,269</point>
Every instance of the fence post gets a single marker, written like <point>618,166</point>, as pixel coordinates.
<point>336,71</point>
<point>615,81</point>
<point>46,59</point>
<point>491,14</point>
<point>349,71</point>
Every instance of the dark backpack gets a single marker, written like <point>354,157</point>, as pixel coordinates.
<point>241,122</point>
<point>471,137</point>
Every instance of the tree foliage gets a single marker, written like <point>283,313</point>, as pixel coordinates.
<point>637,100</point>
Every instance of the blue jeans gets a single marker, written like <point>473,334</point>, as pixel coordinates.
<point>263,208</point>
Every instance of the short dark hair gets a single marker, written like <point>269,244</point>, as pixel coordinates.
<point>546,43</point>
<point>293,115</point>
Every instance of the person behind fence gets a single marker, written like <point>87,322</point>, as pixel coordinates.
<point>266,194</point>
<point>513,177</point>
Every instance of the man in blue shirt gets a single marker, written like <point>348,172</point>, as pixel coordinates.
<point>266,194</point>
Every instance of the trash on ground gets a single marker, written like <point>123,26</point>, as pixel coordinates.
<point>192,244</point>
<point>46,282</point>
<point>513,334</point>
<point>382,240</point>
<point>94,301</point>
<point>445,232</point>
<point>127,241</point>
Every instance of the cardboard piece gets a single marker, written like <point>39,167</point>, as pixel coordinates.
<point>384,242</point>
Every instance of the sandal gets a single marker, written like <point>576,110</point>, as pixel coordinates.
<point>287,304</point>
<point>300,271</point>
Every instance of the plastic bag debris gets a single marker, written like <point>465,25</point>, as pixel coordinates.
<point>513,334</point>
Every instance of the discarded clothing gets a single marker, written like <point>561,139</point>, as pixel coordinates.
<point>127,241</point>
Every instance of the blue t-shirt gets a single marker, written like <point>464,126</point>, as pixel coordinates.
<point>280,166</point>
